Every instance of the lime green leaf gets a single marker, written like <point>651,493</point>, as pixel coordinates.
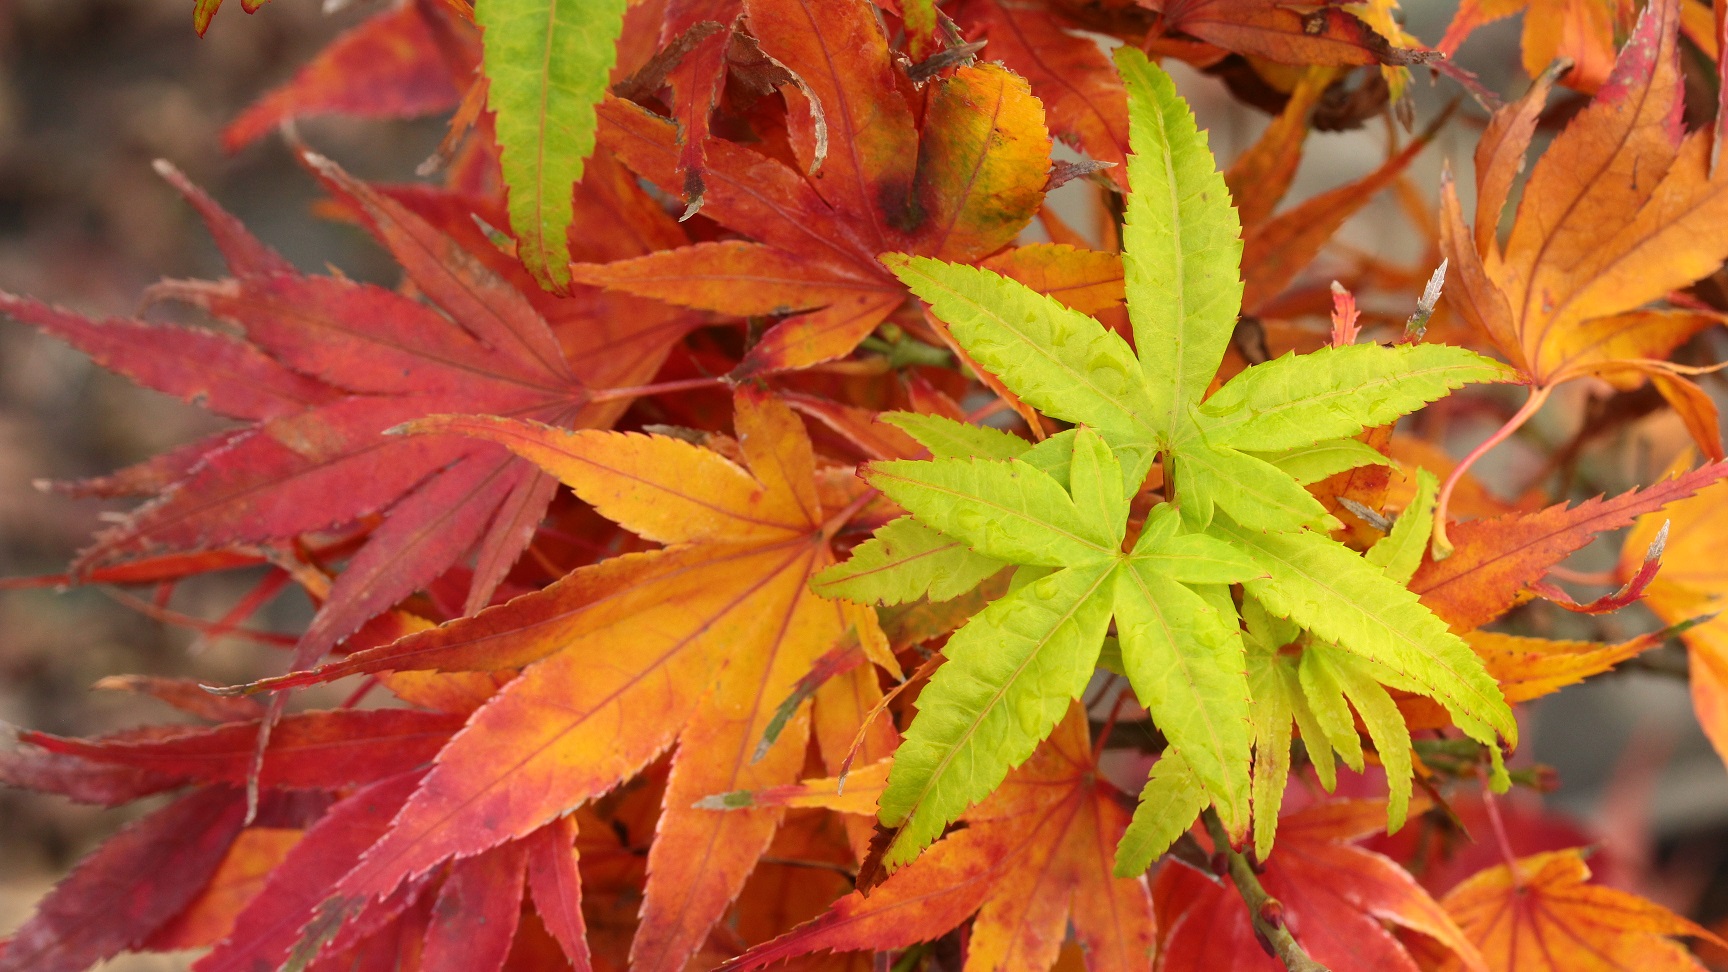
<point>1325,695</point>
<point>1181,242</point>
<point>1272,684</point>
<point>1171,800</point>
<point>1222,601</point>
<point>1003,509</point>
<point>1267,636</point>
<point>1095,482</point>
<point>1185,663</point>
<point>1195,492</point>
<point>1268,630</point>
<point>1385,726</point>
<point>1499,781</point>
<point>1254,493</point>
<point>948,439</point>
<point>1053,456</point>
<point>1399,553</point>
<point>1320,754</point>
<point>1195,558</point>
<point>546,66</point>
<point>1332,393</point>
<point>1162,523</point>
<point>1010,675</point>
<point>905,561</point>
<point>1057,359</point>
<point>1026,576</point>
<point>1312,463</point>
<point>1324,587</point>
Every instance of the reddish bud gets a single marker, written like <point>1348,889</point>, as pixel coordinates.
<point>1265,943</point>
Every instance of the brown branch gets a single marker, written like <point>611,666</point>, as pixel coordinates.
<point>1265,911</point>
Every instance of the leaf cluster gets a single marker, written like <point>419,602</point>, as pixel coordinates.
<point>744,543</point>
<point>1233,513</point>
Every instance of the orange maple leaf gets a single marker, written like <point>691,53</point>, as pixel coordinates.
<point>1068,71</point>
<point>1620,211</point>
<point>1497,559</point>
<point>696,643</point>
<point>1538,914</point>
<point>1580,31</point>
<point>1035,856</point>
<point>1693,582</point>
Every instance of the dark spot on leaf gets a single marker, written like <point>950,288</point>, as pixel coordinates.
<point>900,206</point>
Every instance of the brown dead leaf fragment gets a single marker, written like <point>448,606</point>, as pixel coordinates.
<point>204,10</point>
<point>1316,34</point>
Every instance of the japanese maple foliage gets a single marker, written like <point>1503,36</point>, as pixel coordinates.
<point>781,534</point>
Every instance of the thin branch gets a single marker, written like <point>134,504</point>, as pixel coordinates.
<point>1265,911</point>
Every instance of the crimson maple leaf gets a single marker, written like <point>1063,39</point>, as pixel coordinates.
<point>180,876</point>
<point>1337,899</point>
<point>409,60</point>
<point>325,366</point>
<point>960,186</point>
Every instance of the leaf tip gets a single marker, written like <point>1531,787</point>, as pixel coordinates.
<point>896,262</point>
<point>734,800</point>
<point>1128,57</point>
<point>169,171</point>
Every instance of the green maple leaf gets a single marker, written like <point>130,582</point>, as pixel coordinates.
<point>1238,515</point>
<point>546,67</point>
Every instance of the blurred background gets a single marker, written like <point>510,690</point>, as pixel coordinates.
<point>92,91</point>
